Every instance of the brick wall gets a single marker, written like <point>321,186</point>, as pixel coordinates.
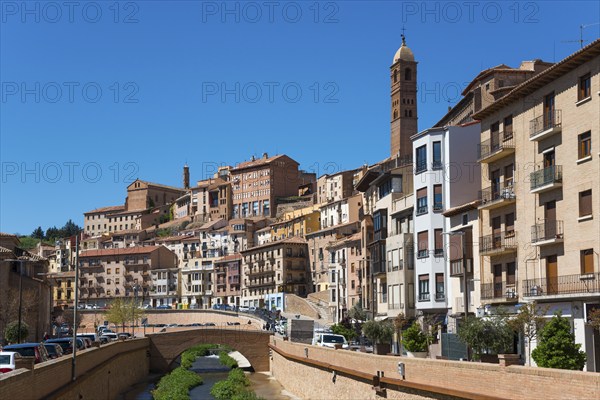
<point>101,373</point>
<point>464,379</point>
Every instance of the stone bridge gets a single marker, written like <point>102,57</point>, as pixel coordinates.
<point>253,344</point>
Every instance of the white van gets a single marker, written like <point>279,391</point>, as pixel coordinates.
<point>329,340</point>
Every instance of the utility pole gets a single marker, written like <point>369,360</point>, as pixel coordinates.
<point>75,306</point>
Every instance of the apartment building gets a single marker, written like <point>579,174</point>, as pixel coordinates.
<point>107,274</point>
<point>342,211</point>
<point>462,248</point>
<point>95,222</point>
<point>540,223</point>
<point>335,187</point>
<point>228,280</point>
<point>164,288</point>
<point>446,175</point>
<point>277,267</point>
<point>296,224</point>
<point>211,200</point>
<point>344,287</point>
<point>258,183</point>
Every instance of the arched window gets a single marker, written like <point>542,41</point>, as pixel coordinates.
<point>395,75</point>
<point>407,74</point>
<point>410,113</point>
<point>395,114</point>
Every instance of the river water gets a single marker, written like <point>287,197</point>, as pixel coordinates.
<point>211,371</point>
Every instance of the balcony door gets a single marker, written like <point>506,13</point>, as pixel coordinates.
<point>497,232</point>
<point>497,280</point>
<point>495,137</point>
<point>551,275</point>
<point>549,104</point>
<point>550,220</point>
<point>495,179</point>
<point>549,163</point>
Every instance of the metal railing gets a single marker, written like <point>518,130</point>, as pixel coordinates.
<point>547,230</point>
<point>564,284</point>
<point>498,142</point>
<point>546,176</point>
<point>497,192</point>
<point>497,242</point>
<point>544,122</point>
<point>424,297</point>
<point>498,290</point>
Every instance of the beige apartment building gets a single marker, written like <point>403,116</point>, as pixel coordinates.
<point>277,267</point>
<point>95,222</point>
<point>257,184</point>
<point>540,221</point>
<point>227,279</point>
<point>335,187</point>
<point>211,200</point>
<point>107,274</point>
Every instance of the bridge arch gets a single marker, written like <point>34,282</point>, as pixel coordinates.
<point>167,346</point>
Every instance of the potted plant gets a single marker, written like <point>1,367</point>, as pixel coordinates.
<point>380,333</point>
<point>415,341</point>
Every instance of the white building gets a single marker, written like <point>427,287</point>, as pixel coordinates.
<point>446,175</point>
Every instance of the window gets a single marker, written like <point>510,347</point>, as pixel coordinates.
<point>423,243</point>
<point>465,219</point>
<point>437,198</point>
<point>383,290</point>
<point>585,145</point>
<point>508,128</point>
<point>585,203</point>
<point>424,287</point>
<point>439,242</point>
<point>407,74</point>
<point>422,201</point>
<point>587,261</point>
<point>437,155</point>
<point>421,156</point>
<point>584,89</point>
<point>385,189</point>
<point>108,271</point>
<point>510,224</point>
<point>439,287</point>
<point>117,281</point>
<point>511,273</point>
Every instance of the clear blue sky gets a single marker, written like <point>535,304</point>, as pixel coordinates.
<point>97,95</point>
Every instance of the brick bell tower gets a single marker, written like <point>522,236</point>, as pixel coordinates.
<point>403,85</point>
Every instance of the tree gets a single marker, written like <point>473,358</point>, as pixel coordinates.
<point>121,311</point>
<point>594,319</point>
<point>490,335</point>
<point>528,322</point>
<point>38,233</point>
<point>557,347</point>
<point>344,329</point>
<point>414,339</point>
<point>11,333</point>
<point>399,323</point>
<point>380,332</point>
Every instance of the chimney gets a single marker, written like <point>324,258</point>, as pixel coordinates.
<point>253,158</point>
<point>186,177</point>
<point>449,108</point>
<point>265,156</point>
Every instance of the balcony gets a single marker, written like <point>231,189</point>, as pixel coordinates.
<point>500,145</point>
<point>497,196</point>
<point>456,267</point>
<point>586,284</point>
<point>498,244</point>
<point>424,297</point>
<point>546,179</point>
<point>502,291</point>
<point>545,125</point>
<point>548,232</point>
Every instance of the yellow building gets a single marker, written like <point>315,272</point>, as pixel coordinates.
<point>297,223</point>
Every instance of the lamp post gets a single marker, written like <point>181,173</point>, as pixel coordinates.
<point>134,306</point>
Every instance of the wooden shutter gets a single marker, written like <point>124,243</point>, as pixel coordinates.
<point>439,242</point>
<point>423,239</point>
<point>585,203</point>
<point>587,261</point>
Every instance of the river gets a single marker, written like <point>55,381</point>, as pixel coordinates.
<point>211,371</point>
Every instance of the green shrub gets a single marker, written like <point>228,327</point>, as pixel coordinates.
<point>225,390</point>
<point>176,385</point>
<point>557,348</point>
<point>234,387</point>
<point>227,360</point>
<point>340,329</point>
<point>413,339</point>
<point>238,377</point>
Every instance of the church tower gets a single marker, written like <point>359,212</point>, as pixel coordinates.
<point>404,101</point>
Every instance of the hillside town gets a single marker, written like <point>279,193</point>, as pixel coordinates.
<point>494,207</point>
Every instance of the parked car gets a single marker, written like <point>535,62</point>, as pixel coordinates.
<point>67,344</point>
<point>164,307</point>
<point>244,309</point>
<point>92,336</point>
<point>125,335</point>
<point>209,324</point>
<point>329,340</point>
<point>36,350</point>
<point>8,360</point>
<point>54,350</point>
<point>110,336</point>
<point>251,309</point>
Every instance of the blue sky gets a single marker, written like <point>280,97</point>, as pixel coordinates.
<point>99,93</point>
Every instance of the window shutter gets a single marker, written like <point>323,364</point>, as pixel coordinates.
<point>585,203</point>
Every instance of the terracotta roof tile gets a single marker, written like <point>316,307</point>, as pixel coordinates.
<point>123,251</point>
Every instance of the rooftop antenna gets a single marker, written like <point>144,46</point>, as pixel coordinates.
<point>581,28</point>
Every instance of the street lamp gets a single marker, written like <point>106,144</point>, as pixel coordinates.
<point>135,297</point>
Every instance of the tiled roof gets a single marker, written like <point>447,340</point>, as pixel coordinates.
<point>106,209</point>
<point>258,162</point>
<point>3,234</point>
<point>123,251</point>
<point>293,239</point>
<point>158,185</point>
<point>232,257</point>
